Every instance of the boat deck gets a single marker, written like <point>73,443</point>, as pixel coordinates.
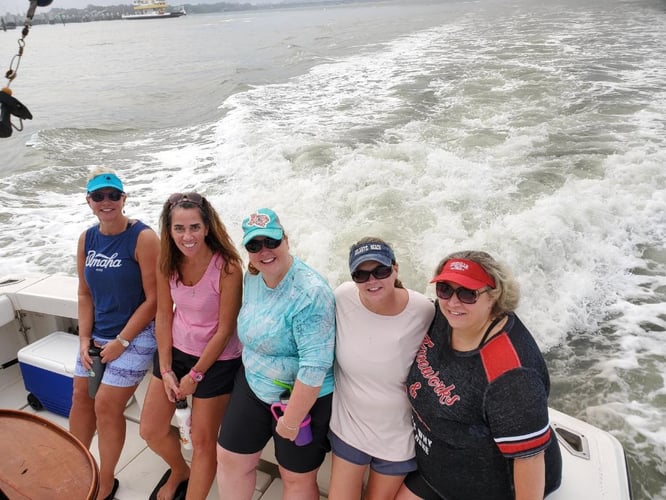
<point>139,469</point>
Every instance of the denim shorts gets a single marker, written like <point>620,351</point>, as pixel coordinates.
<point>131,366</point>
<point>357,457</point>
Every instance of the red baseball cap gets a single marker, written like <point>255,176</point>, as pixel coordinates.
<point>466,273</point>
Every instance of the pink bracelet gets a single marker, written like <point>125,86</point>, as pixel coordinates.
<point>166,372</point>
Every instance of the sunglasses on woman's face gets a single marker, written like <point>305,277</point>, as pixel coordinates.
<point>178,198</point>
<point>113,195</point>
<point>254,246</point>
<point>465,295</point>
<point>380,272</point>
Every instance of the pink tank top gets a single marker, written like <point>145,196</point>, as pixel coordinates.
<point>196,313</point>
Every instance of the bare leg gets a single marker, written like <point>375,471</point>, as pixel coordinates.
<point>236,474</point>
<point>405,494</point>
<point>299,485</point>
<point>206,417</point>
<point>382,486</point>
<point>155,428</point>
<point>110,405</point>
<point>346,479</point>
<point>82,421</point>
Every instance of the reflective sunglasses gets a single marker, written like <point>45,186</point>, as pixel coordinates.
<point>98,196</point>
<point>179,198</point>
<point>465,295</point>
<point>380,272</point>
<point>254,246</point>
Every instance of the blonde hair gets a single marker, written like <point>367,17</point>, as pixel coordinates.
<point>506,292</point>
<point>99,170</point>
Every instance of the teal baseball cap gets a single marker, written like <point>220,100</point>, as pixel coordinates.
<point>105,180</point>
<point>263,222</point>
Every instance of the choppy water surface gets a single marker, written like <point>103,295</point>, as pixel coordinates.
<point>533,131</point>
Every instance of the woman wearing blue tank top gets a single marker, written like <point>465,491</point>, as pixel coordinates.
<point>116,263</point>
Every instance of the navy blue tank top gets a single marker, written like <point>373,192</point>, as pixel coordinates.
<point>113,277</point>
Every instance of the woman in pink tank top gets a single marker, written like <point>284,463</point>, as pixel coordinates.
<point>199,289</point>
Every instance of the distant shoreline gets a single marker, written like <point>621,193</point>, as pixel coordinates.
<point>92,13</point>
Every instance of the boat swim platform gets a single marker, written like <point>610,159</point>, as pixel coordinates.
<point>139,468</point>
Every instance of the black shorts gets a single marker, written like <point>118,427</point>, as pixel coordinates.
<point>219,377</point>
<point>248,424</point>
<point>417,485</point>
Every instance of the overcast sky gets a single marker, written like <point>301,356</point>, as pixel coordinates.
<point>21,6</point>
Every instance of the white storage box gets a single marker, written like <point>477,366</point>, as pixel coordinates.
<point>47,367</point>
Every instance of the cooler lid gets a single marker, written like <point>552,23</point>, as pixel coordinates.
<point>56,352</point>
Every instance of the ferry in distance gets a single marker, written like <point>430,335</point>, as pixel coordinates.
<point>153,9</point>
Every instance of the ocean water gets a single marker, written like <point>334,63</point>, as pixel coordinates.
<point>533,130</point>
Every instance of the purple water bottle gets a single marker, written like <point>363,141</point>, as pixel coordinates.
<point>304,436</point>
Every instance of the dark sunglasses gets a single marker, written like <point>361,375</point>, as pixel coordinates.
<point>465,295</point>
<point>98,196</point>
<point>179,198</point>
<point>380,272</point>
<point>254,246</point>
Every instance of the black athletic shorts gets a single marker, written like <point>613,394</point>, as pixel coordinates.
<point>417,485</point>
<point>218,380</point>
<point>248,424</point>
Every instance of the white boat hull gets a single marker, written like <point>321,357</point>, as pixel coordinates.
<point>594,464</point>
<point>167,15</point>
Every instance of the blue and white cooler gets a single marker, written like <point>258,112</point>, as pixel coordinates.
<point>47,366</point>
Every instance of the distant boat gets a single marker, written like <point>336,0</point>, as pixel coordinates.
<point>153,9</point>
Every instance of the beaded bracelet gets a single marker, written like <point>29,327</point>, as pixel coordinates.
<point>281,421</point>
<point>166,372</point>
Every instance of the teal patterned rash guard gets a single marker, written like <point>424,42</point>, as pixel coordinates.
<point>288,332</point>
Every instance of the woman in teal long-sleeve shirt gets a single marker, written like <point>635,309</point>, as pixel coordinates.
<point>287,327</point>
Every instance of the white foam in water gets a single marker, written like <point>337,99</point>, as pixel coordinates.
<point>536,138</point>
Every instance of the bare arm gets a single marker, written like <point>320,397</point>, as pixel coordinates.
<point>85,304</point>
<point>529,477</point>
<point>303,397</point>
<point>231,293</point>
<point>164,334</point>
<point>147,251</point>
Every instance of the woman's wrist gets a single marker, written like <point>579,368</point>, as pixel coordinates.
<point>166,371</point>
<point>285,425</point>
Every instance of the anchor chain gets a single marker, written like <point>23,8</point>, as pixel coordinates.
<point>9,105</point>
<point>15,62</point>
